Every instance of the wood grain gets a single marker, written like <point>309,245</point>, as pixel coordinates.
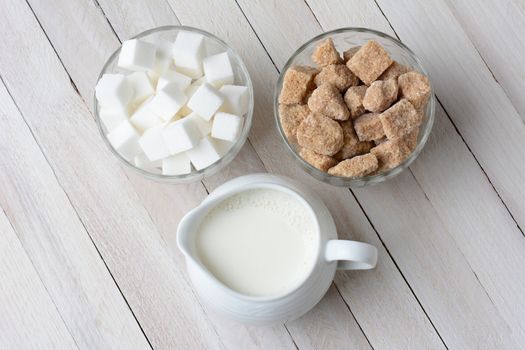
<point>496,30</point>
<point>29,319</point>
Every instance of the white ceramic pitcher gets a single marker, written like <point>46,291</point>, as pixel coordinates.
<point>332,254</point>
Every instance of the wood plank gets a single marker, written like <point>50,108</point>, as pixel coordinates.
<point>165,204</point>
<point>28,317</point>
<point>496,29</point>
<point>394,294</point>
<point>106,203</point>
<point>316,333</point>
<point>57,244</point>
<point>493,210</point>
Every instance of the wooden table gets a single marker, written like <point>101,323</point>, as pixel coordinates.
<point>87,256</point>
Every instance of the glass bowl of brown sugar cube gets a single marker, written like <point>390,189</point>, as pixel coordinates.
<point>354,106</point>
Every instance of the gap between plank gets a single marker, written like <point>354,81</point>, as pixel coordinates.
<point>351,313</point>
<point>97,5</point>
<point>463,255</point>
<point>290,334</point>
<point>56,53</point>
<point>34,267</point>
<point>460,23</point>
<point>401,273</point>
<point>360,206</point>
<point>66,194</point>
<point>457,130</point>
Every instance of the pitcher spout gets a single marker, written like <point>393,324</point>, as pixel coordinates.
<point>187,230</point>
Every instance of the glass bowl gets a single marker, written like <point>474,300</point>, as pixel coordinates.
<point>213,46</point>
<point>344,38</point>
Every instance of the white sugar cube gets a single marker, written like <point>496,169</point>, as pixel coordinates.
<point>164,48</point>
<point>222,146</point>
<point>137,55</point>
<point>188,51</point>
<point>171,76</point>
<point>142,161</point>
<point>163,58</point>
<point>164,55</point>
<point>111,118</point>
<point>144,117</point>
<point>204,154</point>
<point>206,101</point>
<point>113,91</point>
<point>181,135</point>
<point>200,81</point>
<point>218,69</point>
<point>153,144</point>
<point>176,165</point>
<point>203,125</point>
<point>190,90</point>
<point>141,84</point>
<point>235,99</point>
<point>184,111</point>
<point>226,126</point>
<point>124,139</point>
<point>168,101</point>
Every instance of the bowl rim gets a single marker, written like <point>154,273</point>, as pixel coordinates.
<point>227,157</point>
<point>364,180</point>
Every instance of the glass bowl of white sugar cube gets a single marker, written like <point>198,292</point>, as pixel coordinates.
<point>174,103</point>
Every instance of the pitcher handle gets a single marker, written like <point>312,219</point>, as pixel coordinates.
<point>351,255</point>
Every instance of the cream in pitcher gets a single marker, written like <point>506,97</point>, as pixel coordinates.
<point>259,242</point>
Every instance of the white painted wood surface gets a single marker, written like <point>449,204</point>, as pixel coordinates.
<point>87,256</point>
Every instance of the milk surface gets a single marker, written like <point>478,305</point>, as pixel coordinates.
<point>260,242</point>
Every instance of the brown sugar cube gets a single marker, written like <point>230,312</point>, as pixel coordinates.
<point>415,87</point>
<point>291,116</point>
<point>319,161</point>
<point>325,54</point>
<point>320,134</point>
<point>327,100</point>
<point>394,71</point>
<point>338,75</point>
<point>399,119</point>
<point>380,95</point>
<point>355,167</point>
<point>390,154</point>
<point>348,54</point>
<point>411,139</point>
<point>368,127</point>
<point>369,62</point>
<point>351,145</point>
<point>298,81</point>
<point>380,141</point>
<point>354,100</point>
